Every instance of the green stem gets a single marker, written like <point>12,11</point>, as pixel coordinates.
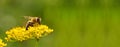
<point>20,44</point>
<point>37,44</point>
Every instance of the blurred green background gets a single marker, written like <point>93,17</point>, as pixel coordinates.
<point>76,23</point>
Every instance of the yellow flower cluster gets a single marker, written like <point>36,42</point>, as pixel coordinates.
<point>2,44</point>
<point>20,34</point>
<point>39,31</point>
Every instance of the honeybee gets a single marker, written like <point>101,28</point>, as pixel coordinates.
<point>32,20</point>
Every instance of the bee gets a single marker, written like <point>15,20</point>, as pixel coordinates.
<point>32,20</point>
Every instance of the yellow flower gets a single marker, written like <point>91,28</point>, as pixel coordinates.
<point>20,34</point>
<point>2,44</point>
<point>39,31</point>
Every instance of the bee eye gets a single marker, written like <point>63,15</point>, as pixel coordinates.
<point>38,19</point>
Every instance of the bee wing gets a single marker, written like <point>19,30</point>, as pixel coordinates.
<point>27,17</point>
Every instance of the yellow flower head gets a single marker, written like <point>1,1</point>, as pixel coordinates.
<point>20,34</point>
<point>2,44</point>
<point>39,31</point>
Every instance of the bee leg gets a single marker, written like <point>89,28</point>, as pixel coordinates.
<point>39,22</point>
<point>29,24</point>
